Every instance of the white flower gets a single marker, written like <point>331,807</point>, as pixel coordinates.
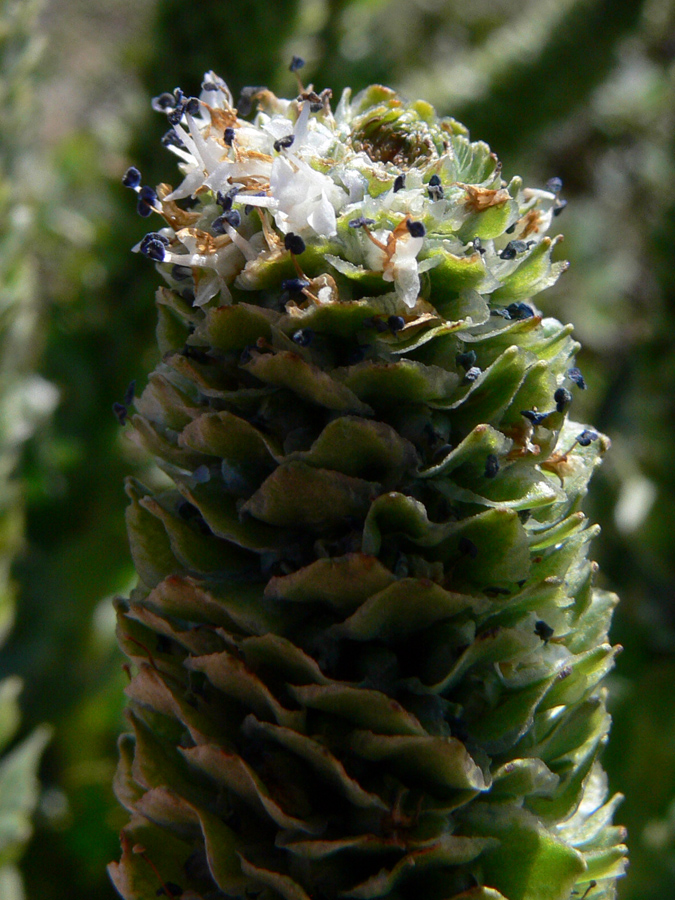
<point>301,198</point>
<point>402,268</point>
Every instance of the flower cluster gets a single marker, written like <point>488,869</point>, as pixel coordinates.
<point>395,207</point>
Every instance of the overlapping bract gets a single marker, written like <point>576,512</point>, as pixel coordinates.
<point>367,648</point>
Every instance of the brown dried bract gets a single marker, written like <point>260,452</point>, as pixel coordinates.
<point>251,182</point>
<point>479,199</point>
<point>222,118</point>
<point>206,243</point>
<point>245,153</point>
<point>531,222</point>
<point>172,213</point>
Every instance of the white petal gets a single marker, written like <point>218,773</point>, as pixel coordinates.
<point>192,181</point>
<point>407,282</point>
<point>301,124</point>
<point>322,219</point>
<point>252,200</point>
<point>208,287</point>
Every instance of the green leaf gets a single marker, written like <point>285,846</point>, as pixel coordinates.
<point>281,884</point>
<point>489,223</point>
<point>198,552</point>
<point>287,369</point>
<point>476,446</point>
<point>487,398</point>
<point>362,707</point>
<point>229,328</point>
<point>151,857</point>
<point>231,676</point>
<point>231,438</point>
<point>326,765</point>
<point>522,777</point>
<point>342,582</point>
<point>404,608</point>
<point>299,495</point>
<point>221,514</point>
<point>387,383</point>
<point>230,771</point>
<point>361,448</point>
<point>150,546</point>
<point>530,862</point>
<point>439,765</point>
<point>534,274</point>
<point>452,274</point>
<point>447,850</point>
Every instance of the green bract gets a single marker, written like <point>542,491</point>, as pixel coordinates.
<point>367,651</point>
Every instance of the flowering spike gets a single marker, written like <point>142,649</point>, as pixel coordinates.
<point>367,648</point>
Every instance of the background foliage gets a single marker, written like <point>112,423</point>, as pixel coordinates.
<point>581,89</point>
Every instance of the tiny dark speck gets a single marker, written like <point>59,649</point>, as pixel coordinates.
<point>467,547</point>
<point>491,466</point>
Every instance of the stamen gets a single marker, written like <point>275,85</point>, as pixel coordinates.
<point>294,243</point>
<point>519,311</point>
<point>562,397</point>
<point>399,183</point>
<point>395,323</point>
<point>120,411</point>
<point>574,375</point>
<point>435,189</point>
<point>144,209</point>
<point>466,360</point>
<point>225,200</point>
<point>163,103</point>
<point>297,63</point>
<point>132,178</point>
<point>171,139</point>
<point>147,202</point>
<point>294,285</point>
<point>228,136</point>
<point>559,206</point>
<point>586,437</point>
<point>416,229</point>
<point>303,337</point>
<point>534,415</point>
<point>554,185</point>
<point>176,115</point>
<point>153,236</point>
<point>284,142</point>
<point>371,236</point>
<point>246,98</point>
<point>154,249</point>
<point>230,217</point>
<point>544,631</point>
<point>360,222</point>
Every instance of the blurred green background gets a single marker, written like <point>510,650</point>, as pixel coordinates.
<point>580,89</point>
